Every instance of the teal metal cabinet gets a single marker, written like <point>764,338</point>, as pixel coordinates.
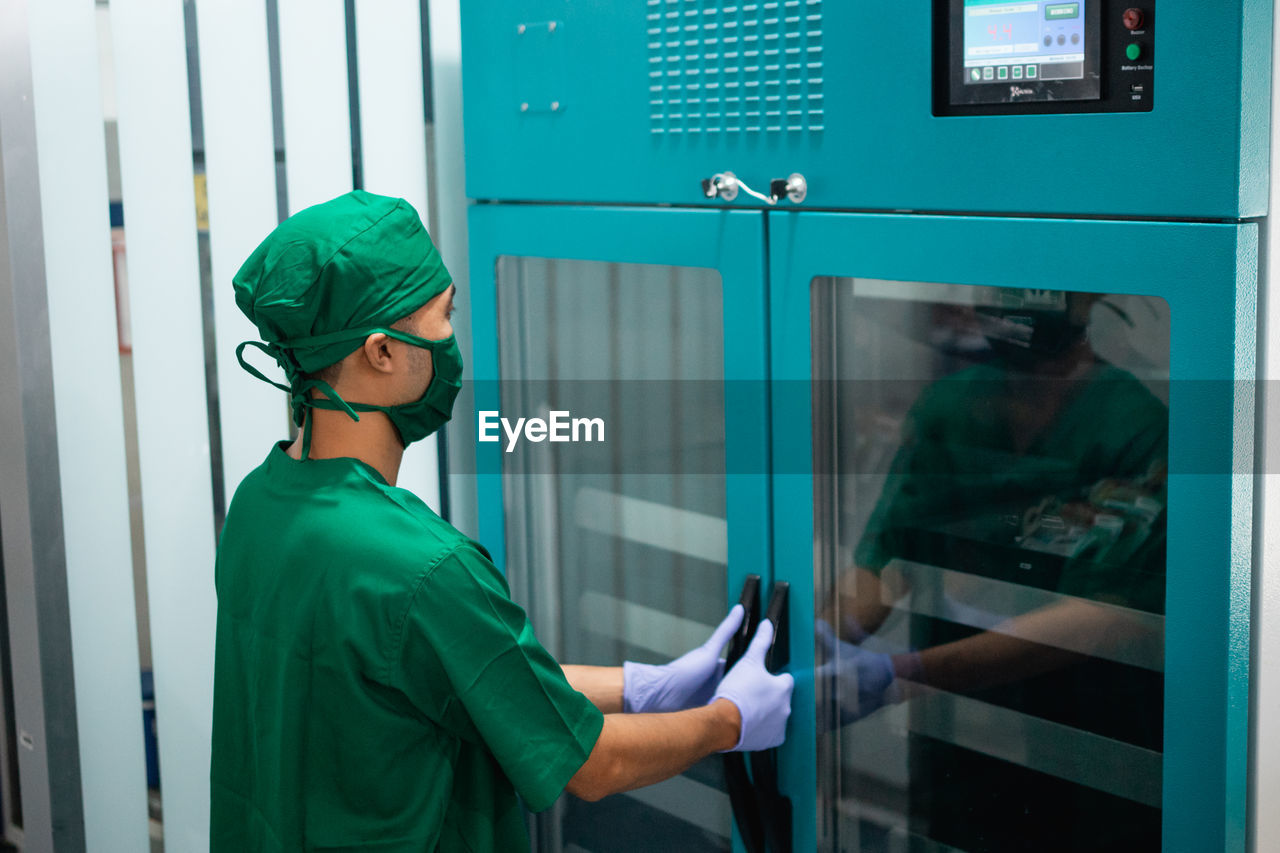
<point>1019,452</point>
<point>1004,463</point>
<point>637,102</point>
<point>631,542</point>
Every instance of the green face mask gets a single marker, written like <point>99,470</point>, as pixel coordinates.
<point>413,421</point>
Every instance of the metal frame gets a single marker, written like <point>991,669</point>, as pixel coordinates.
<point>1208,275</point>
<point>31,522</point>
<point>1264,823</point>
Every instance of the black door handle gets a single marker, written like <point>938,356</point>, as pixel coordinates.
<point>762,814</point>
<point>742,796</point>
<point>773,808</point>
<point>750,601</point>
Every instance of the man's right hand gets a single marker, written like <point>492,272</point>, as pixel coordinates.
<point>762,698</point>
<point>858,677</point>
<point>634,750</point>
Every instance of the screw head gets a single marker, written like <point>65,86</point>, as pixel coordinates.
<point>551,27</point>
<point>524,108</point>
<point>520,29</point>
<point>555,106</point>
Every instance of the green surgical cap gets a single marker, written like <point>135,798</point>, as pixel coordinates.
<point>350,264</point>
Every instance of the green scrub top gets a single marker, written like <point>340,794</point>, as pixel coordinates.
<point>375,687</point>
<point>956,459</point>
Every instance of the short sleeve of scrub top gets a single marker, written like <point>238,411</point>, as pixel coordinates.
<point>505,691</point>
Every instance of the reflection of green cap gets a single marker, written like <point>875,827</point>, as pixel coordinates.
<point>350,264</point>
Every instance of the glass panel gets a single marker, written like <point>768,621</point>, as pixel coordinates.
<point>990,493</point>
<point>618,548</point>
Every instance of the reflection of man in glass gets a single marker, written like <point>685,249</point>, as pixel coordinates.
<point>1042,466</point>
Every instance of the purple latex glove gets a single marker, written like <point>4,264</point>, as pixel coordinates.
<point>763,699</point>
<point>861,677</point>
<point>686,682</point>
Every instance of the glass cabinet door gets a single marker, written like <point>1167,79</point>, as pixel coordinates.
<point>619,543</point>
<point>1005,608</point>
<point>992,516</point>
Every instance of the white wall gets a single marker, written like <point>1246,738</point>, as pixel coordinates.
<point>90,422</point>
<point>122,68</point>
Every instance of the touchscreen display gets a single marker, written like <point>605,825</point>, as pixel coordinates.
<point>1036,57</point>
<point>1034,40</point>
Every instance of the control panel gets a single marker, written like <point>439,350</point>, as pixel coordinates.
<point>994,57</point>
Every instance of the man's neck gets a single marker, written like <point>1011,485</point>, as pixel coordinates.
<point>372,440</point>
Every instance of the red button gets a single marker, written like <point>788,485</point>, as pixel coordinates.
<point>1132,18</point>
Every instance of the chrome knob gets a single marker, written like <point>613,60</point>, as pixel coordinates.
<point>721,185</point>
<point>793,187</point>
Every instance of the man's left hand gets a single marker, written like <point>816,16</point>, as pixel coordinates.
<point>689,681</point>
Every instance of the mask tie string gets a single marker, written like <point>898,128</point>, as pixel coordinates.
<point>298,389</point>
<point>301,399</point>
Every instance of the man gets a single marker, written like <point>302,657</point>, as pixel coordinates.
<point>375,687</point>
<point>1041,468</point>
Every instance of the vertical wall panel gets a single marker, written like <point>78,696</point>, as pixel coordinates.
<point>240,169</point>
<point>392,121</point>
<point>393,139</point>
<point>31,528</point>
<point>90,418</point>
<point>449,214</point>
<point>317,112</point>
<point>168,365</point>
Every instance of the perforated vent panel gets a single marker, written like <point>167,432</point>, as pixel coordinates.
<point>718,67</point>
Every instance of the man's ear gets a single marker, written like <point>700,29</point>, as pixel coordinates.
<point>377,351</point>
